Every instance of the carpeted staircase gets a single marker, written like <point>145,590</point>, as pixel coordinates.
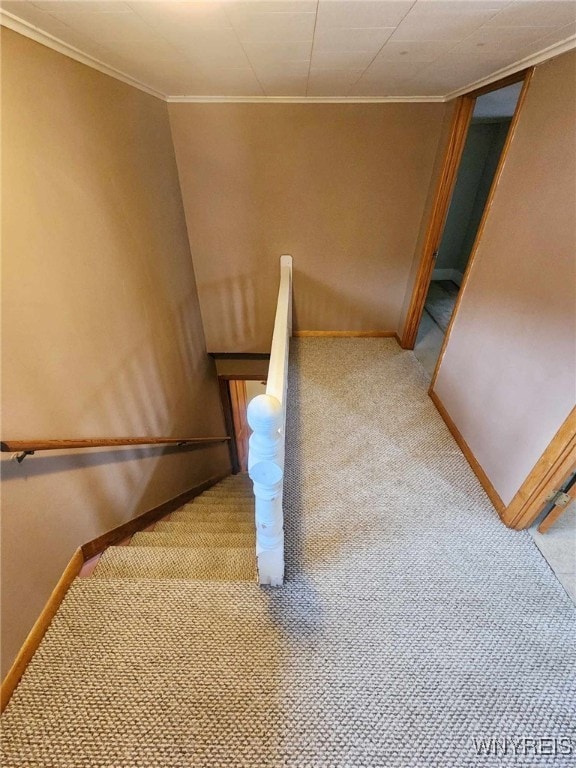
<point>212,538</point>
<point>412,627</point>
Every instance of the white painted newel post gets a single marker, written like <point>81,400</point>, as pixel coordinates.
<point>267,418</point>
<point>266,469</point>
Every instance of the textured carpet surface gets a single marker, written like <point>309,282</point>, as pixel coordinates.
<point>194,539</point>
<point>209,563</point>
<point>208,501</point>
<point>212,547</point>
<point>223,523</point>
<point>412,622</point>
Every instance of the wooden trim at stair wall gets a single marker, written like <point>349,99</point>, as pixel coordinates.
<point>469,456</point>
<point>38,631</point>
<point>226,402</point>
<point>549,473</point>
<point>131,527</point>
<point>72,570</point>
<point>238,399</point>
<point>556,512</point>
<point>446,182</point>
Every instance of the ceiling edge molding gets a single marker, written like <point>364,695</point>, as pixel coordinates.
<point>536,58</point>
<point>301,99</point>
<point>29,30</point>
<point>16,24</point>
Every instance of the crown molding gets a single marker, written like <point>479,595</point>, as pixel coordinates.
<point>29,30</point>
<point>529,61</point>
<point>16,24</point>
<point>300,99</point>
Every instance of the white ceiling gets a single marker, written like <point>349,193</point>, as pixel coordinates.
<point>304,48</point>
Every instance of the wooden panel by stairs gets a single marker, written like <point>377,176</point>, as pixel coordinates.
<point>210,539</point>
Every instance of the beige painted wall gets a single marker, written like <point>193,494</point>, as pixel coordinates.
<point>101,329</point>
<point>340,187</point>
<point>508,378</point>
<point>253,389</point>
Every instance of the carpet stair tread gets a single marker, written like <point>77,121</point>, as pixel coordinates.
<point>191,563</point>
<point>191,538</point>
<point>219,500</point>
<point>232,487</point>
<point>215,510</point>
<point>215,525</point>
<point>232,492</point>
<point>229,488</point>
<point>212,513</point>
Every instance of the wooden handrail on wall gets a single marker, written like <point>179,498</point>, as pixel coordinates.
<point>267,418</point>
<point>27,447</point>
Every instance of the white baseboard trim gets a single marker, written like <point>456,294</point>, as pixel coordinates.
<point>448,274</point>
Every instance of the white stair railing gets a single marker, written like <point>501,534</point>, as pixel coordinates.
<point>267,418</point>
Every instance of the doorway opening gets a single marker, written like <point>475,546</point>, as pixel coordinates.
<point>236,394</point>
<point>478,144</point>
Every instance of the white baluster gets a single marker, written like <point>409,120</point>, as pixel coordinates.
<point>266,469</point>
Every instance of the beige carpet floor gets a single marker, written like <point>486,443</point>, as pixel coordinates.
<point>413,626</point>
